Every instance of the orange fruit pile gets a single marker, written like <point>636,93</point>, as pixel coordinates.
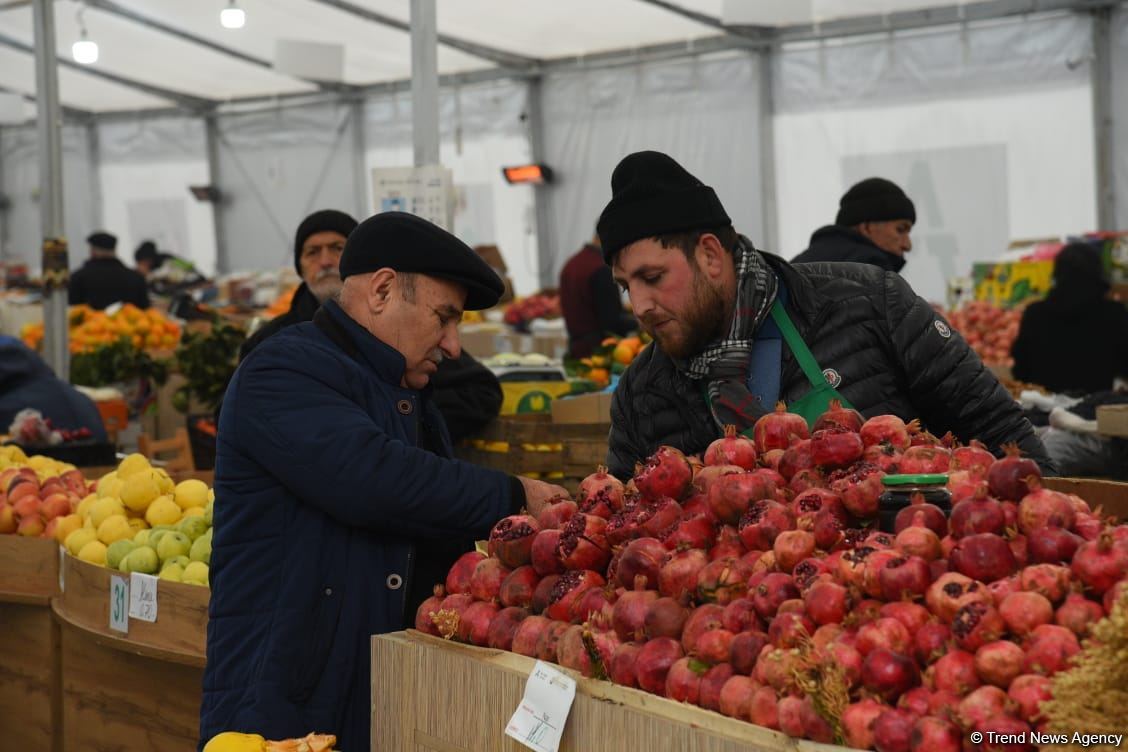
<point>90,329</point>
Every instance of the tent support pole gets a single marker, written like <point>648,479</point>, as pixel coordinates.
<point>769,233</point>
<point>425,82</point>
<point>1103,141</point>
<point>360,159</point>
<point>50,117</point>
<point>211,137</point>
<point>94,163</point>
<point>546,241</point>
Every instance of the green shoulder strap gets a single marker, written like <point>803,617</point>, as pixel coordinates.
<point>798,347</point>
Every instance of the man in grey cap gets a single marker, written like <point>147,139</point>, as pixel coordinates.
<point>103,279</point>
<point>873,224</point>
<point>336,487</point>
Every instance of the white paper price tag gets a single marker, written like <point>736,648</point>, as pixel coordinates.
<point>142,597</point>
<point>539,720</point>
<point>119,604</point>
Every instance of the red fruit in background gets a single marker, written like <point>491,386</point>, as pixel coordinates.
<point>913,615</point>
<point>789,629</point>
<point>745,650</point>
<point>815,727</point>
<point>1088,526</point>
<point>720,694</point>
<point>974,458</point>
<point>791,717</point>
<point>888,674</point>
<point>704,478</point>
<point>1000,589</point>
<point>553,516</point>
<point>8,521</point>
<point>805,572</point>
<point>665,473</point>
<point>981,705</point>
<point>543,593</point>
<point>503,628</point>
<point>1049,649</point>
<point>892,731</point>
<point>518,587</point>
<point>828,530</point>
<point>763,708</point>
<point>975,625</point>
<point>778,429</point>
<point>885,457</point>
<point>805,480</point>
<point>1028,692</point>
<point>714,646</point>
<point>836,447</point>
<point>962,486</point>
<point>1101,563</point>
<point>732,495</point>
<point>917,701</point>
<point>860,487</point>
<point>740,615</point>
<point>628,615</point>
<point>857,722</point>
<point>951,591</point>
<point>727,545</point>
<point>763,522</point>
<point>723,581</point>
<point>543,553</point>
<point>931,642</point>
<point>874,565</point>
<point>55,505</point>
<point>511,540</point>
<point>621,669</point>
<point>572,653</point>
<point>807,504</point>
<point>981,514</point>
<point>1078,614</point>
<point>1051,580</point>
<point>26,507</point>
<point>954,672</point>
<point>1052,545</point>
<point>731,449</point>
<point>772,458</point>
<point>583,544</point>
<point>932,734</point>
<point>427,609</point>
<point>890,430</point>
<point>925,459</point>
<point>567,589</point>
<point>683,680</point>
<point>592,605</point>
<point>485,583</point>
<point>653,662</point>
<point>692,532</point>
<point>984,556</point>
<point>665,617</point>
<point>884,632</point>
<point>458,578</point>
<point>679,574</point>
<point>642,557</point>
<point>1023,612</point>
<point>795,458</point>
<point>919,541</point>
<point>904,577</point>
<point>999,663</point>
<point>1044,508</point>
<point>701,620</point>
<point>792,547</point>
<point>773,590</point>
<point>474,623</point>
<point>1007,477</point>
<point>600,493</point>
<point>550,640</point>
<point>837,415</point>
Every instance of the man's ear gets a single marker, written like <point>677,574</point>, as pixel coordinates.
<point>710,255</point>
<point>380,286</point>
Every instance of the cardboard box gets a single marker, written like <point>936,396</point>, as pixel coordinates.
<point>522,397</point>
<point>1110,496</point>
<point>583,408</point>
<point>1112,420</point>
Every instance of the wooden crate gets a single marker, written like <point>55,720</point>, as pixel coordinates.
<point>429,695</point>
<point>30,698</point>
<point>520,431</point>
<point>139,691</point>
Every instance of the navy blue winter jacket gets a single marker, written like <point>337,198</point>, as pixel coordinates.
<point>322,497</point>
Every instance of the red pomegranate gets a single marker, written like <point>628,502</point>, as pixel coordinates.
<point>918,540</point>
<point>567,589</point>
<point>984,556</point>
<point>931,642</point>
<point>795,458</point>
<point>705,477</point>
<point>653,662</point>
<point>790,629</point>
<point>1028,692</point>
<point>572,653</point>
<point>642,557</point>
<point>458,578</point>
<point>1044,508</point>
<point>954,672</point>
<point>701,620</point>
<point>763,708</point>
<point>805,480</point>
<point>837,415</point>
<point>485,583</point>
<point>805,572</point>
<point>888,430</point>
<point>999,662</point>
<point>593,605</point>
<point>583,543</point>
<point>503,628</point>
<point>778,429</point>
<point>746,649</point>
<point>885,457</point>
<point>974,458</point>
<point>732,495</point>
<point>1007,477</point>
<point>731,449</point>
<point>773,589</point>
<point>888,674</point>
<point>714,647</point>
<point>698,531</point>
<point>1051,580</point>
<point>913,615</point>
<point>543,553</point>
<point>511,540</point>
<point>543,593</point>
<point>665,617</point>
<point>656,517</point>
<point>763,522</point>
<point>892,731</point>
<point>1052,545</point>
<point>860,488</point>
<point>810,502</point>
<point>666,473</point>
<point>518,587</point>
<point>546,649</point>
<point>474,623</point>
<point>1101,563</point>
<point>905,577</point>
<point>884,632</point>
<point>683,680</point>
<point>925,460</point>
<point>427,609</point>
<point>1078,614</point>
<point>723,581</point>
<point>628,615</point>
<point>981,705</point>
<point>981,514</point>
<point>952,591</point>
<point>736,696</point>
<point>621,669</point>
<point>1049,649</point>
<point>553,516</point>
<point>827,602</point>
<point>976,624</point>
<point>836,447</point>
<point>792,547</point>
<point>528,635</point>
<point>1023,612</point>
<point>933,734</point>
<point>600,493</point>
<point>857,722</point>
<point>679,574</point>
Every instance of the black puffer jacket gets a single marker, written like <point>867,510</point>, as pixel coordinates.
<point>837,243</point>
<point>893,353</point>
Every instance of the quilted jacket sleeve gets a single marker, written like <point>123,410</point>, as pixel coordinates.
<point>294,417</point>
<point>947,381</point>
<point>622,443</point>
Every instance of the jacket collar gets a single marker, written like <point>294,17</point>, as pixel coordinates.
<point>359,344</point>
<point>835,235</point>
<point>304,303</point>
<point>803,300</point>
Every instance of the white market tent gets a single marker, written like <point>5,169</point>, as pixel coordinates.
<point>1003,119</point>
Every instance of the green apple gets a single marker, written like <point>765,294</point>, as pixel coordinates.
<point>201,549</point>
<point>193,527</point>
<point>141,559</point>
<point>117,551</point>
<point>173,544</point>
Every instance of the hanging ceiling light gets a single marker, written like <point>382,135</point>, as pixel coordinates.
<point>84,51</point>
<point>232,17</point>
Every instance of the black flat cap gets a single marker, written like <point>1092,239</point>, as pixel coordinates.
<point>651,195</point>
<point>407,243</point>
<point>103,240</point>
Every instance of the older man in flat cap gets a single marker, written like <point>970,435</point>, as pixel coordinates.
<point>103,279</point>
<point>336,488</point>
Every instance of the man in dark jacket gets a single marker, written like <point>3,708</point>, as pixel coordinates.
<point>467,393</point>
<point>334,477</point>
<point>704,293</point>
<point>103,279</point>
<point>873,224</point>
<point>27,381</point>
<point>590,301</point>
<point>164,272</point>
<point>1076,340</point>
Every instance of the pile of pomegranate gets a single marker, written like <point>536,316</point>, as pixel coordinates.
<point>753,578</point>
<point>988,329</point>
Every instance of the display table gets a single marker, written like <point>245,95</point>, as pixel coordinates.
<point>29,664</point>
<point>135,691</point>
<point>430,694</point>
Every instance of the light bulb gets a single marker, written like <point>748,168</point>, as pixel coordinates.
<point>85,51</point>
<point>233,17</point>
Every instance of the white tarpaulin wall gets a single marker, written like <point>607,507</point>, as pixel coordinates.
<point>1120,113</point>
<point>989,131</point>
<point>704,112</point>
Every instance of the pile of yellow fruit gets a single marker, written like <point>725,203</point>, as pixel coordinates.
<point>91,329</point>
<point>138,520</point>
<point>231,741</point>
<point>44,467</point>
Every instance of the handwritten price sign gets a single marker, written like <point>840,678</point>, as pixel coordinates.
<point>539,720</point>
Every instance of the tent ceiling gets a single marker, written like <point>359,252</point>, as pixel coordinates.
<point>187,56</point>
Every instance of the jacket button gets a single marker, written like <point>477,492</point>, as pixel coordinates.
<point>394,582</point>
<point>328,591</point>
<point>404,407</point>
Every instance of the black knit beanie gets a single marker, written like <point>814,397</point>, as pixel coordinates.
<point>326,220</point>
<point>652,195</point>
<point>874,200</point>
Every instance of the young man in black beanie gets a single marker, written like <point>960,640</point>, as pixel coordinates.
<point>873,224</point>
<point>737,329</point>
